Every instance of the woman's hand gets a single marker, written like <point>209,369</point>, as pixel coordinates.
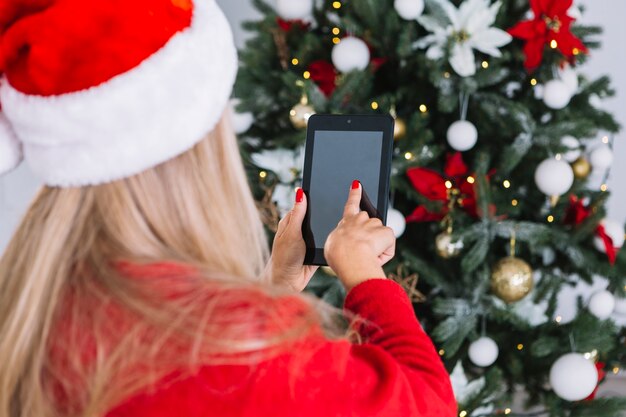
<point>358,248</point>
<point>285,267</point>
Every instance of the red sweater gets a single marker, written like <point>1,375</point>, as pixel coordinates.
<point>397,372</point>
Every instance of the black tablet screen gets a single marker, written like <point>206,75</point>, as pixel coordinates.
<point>339,157</point>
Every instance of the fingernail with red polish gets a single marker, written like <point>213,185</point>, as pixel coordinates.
<point>299,195</point>
<point>355,184</point>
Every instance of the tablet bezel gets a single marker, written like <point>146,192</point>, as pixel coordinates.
<point>354,123</point>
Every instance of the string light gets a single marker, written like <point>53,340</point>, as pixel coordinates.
<point>575,51</point>
<point>423,108</point>
<point>306,75</point>
<point>616,370</point>
<point>506,184</point>
<point>336,31</point>
<point>374,105</point>
<point>520,346</point>
<point>336,40</point>
<point>337,4</point>
<point>463,413</point>
<point>446,74</point>
<point>514,203</point>
<point>262,174</point>
<point>485,64</point>
<point>448,184</point>
<point>408,156</point>
<point>295,61</point>
<point>604,188</point>
<point>553,44</point>
<point>533,82</point>
<point>550,218</point>
<point>605,139</point>
<point>558,157</point>
<point>442,352</point>
<point>507,411</point>
<point>471,179</point>
<point>558,319</point>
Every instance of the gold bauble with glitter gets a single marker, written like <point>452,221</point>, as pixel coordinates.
<point>511,279</point>
<point>399,129</point>
<point>300,113</point>
<point>446,246</point>
<point>581,168</point>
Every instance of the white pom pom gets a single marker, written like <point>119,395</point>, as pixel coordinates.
<point>294,9</point>
<point>573,377</point>
<point>614,230</point>
<point>241,121</point>
<point>409,9</point>
<point>483,352</point>
<point>554,177</point>
<point>462,135</point>
<point>351,54</point>
<point>570,78</point>
<point>601,304</point>
<point>396,221</point>
<point>620,306</point>
<point>573,146</point>
<point>10,147</point>
<point>556,94</point>
<point>601,157</point>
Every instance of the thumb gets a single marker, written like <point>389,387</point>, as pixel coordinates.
<point>299,211</point>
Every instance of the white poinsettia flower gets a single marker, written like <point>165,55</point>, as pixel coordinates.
<point>460,31</point>
<point>285,163</point>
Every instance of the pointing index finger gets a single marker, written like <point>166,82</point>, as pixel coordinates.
<point>354,200</point>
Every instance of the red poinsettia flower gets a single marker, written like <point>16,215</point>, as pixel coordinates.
<point>432,185</point>
<point>577,213</point>
<point>550,26</point>
<point>324,75</point>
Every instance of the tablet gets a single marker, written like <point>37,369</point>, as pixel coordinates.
<point>341,149</point>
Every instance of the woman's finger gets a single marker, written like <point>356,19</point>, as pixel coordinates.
<point>297,213</point>
<point>354,200</point>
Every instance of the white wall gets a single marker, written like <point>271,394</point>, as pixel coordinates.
<point>18,187</point>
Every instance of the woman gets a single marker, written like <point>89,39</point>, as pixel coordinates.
<point>138,283</point>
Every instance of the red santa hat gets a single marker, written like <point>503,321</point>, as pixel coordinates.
<point>94,91</point>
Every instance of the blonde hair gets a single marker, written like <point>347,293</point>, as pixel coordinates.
<point>61,273</point>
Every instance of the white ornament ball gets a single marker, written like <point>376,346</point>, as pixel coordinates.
<point>294,9</point>
<point>554,177</point>
<point>602,304</point>
<point>573,146</point>
<point>556,94</point>
<point>462,135</point>
<point>396,221</point>
<point>573,377</point>
<point>601,157</point>
<point>351,54</point>
<point>570,78</point>
<point>241,121</point>
<point>483,352</point>
<point>409,9</point>
<point>615,231</point>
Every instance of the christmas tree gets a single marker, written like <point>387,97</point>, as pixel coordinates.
<point>497,132</point>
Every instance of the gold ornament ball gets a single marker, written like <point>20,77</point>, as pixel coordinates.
<point>300,114</point>
<point>447,247</point>
<point>399,129</point>
<point>581,168</point>
<point>511,279</point>
<point>329,271</point>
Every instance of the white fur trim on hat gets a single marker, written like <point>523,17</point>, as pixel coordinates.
<point>10,148</point>
<point>136,120</point>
